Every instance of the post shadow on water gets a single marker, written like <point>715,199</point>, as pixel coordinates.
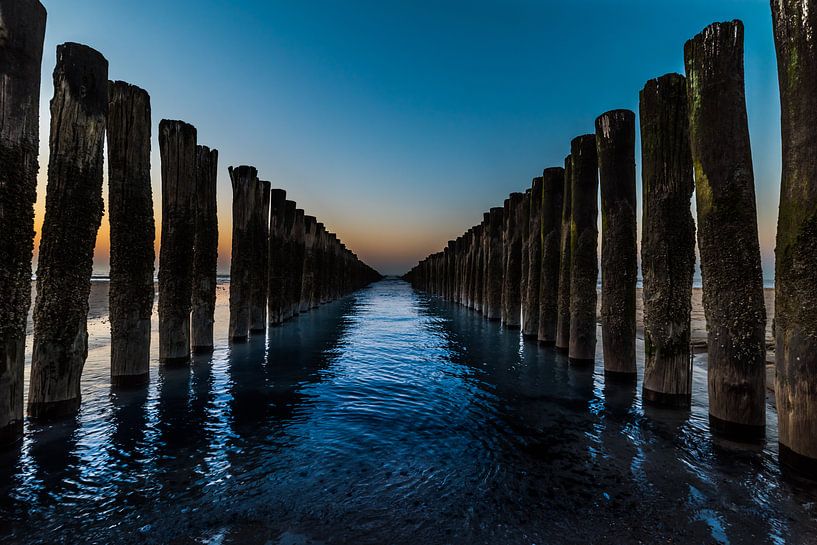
<point>390,416</point>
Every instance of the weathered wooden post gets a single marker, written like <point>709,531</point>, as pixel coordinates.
<point>479,302</point>
<point>615,146</point>
<point>259,283</point>
<point>288,252</point>
<point>563,303</point>
<point>244,181</point>
<point>177,144</point>
<point>277,257</point>
<point>495,268</point>
<point>584,256</point>
<point>205,252</point>
<point>308,278</point>
<point>484,251</point>
<point>73,212</point>
<point>322,291</point>
<point>298,255</point>
<point>21,52</point>
<point>130,203</point>
<point>512,278</point>
<point>795,26</point>
<point>727,232</point>
<point>530,309</point>
<point>667,242</point>
<point>553,186</point>
<point>524,228</point>
<point>449,271</point>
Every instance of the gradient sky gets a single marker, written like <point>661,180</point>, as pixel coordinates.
<point>397,123</point>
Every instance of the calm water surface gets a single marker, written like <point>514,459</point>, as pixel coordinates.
<point>388,417</point>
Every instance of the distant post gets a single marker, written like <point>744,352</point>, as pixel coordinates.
<point>584,270</point>
<point>205,251</point>
<point>21,51</point>
<point>615,144</point>
<point>667,242</point>
<point>130,203</point>
<point>553,186</point>
<point>727,232</point>
<point>73,212</point>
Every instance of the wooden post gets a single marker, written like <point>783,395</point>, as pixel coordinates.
<point>480,280</point>
<point>563,304</point>
<point>553,186</point>
<point>177,143</point>
<point>288,252</point>
<point>259,283</point>
<point>205,252</point>
<point>130,203</point>
<point>322,291</point>
<point>727,232</point>
<point>530,310</point>
<point>244,181</point>
<point>512,278</point>
<point>523,216</point>
<point>615,145</point>
<point>73,212</point>
<point>795,23</point>
<point>21,53</point>
<point>495,268</point>
<point>308,278</point>
<point>584,255</point>
<point>277,257</point>
<point>667,242</point>
<point>298,255</point>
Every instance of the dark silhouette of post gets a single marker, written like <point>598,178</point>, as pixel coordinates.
<point>512,277</point>
<point>21,53</point>
<point>727,232</point>
<point>245,202</point>
<point>177,144</point>
<point>524,229</point>
<point>277,257</point>
<point>298,257</point>
<point>130,204</point>
<point>205,252</point>
<point>563,304</point>
<point>73,212</point>
<point>288,266</point>
<point>584,269</point>
<point>615,145</point>
<point>667,242</point>
<point>553,186</point>
<point>795,27</point>
<point>530,309</point>
<point>259,283</point>
<point>309,269</point>
<point>494,264</point>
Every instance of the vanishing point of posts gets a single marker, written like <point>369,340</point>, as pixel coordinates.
<point>279,269</point>
<point>694,138</point>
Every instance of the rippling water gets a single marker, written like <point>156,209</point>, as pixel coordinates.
<point>389,417</point>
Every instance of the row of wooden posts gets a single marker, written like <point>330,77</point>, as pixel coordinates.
<point>283,261</point>
<point>534,263</point>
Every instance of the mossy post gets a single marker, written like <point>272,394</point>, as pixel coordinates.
<point>259,283</point>
<point>494,264</point>
<point>205,252</point>
<point>130,209</point>
<point>727,232</point>
<point>177,144</point>
<point>584,255</point>
<point>615,145</point>
<point>563,303</point>
<point>795,28</point>
<point>512,277</point>
<point>21,53</point>
<point>244,181</point>
<point>277,258</point>
<point>73,212</point>
<point>530,308</point>
<point>553,186</point>
<point>667,242</point>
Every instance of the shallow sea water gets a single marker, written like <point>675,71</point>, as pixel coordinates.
<point>388,417</point>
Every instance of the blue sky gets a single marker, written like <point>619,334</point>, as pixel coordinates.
<point>398,123</point>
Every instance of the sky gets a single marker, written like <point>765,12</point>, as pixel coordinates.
<point>399,122</point>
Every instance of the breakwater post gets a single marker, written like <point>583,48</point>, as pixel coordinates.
<point>512,270</point>
<point>259,283</point>
<point>530,309</point>
<point>553,186</point>
<point>244,181</point>
<point>563,304</point>
<point>205,252</point>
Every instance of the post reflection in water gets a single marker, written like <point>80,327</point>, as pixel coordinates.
<point>391,417</point>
